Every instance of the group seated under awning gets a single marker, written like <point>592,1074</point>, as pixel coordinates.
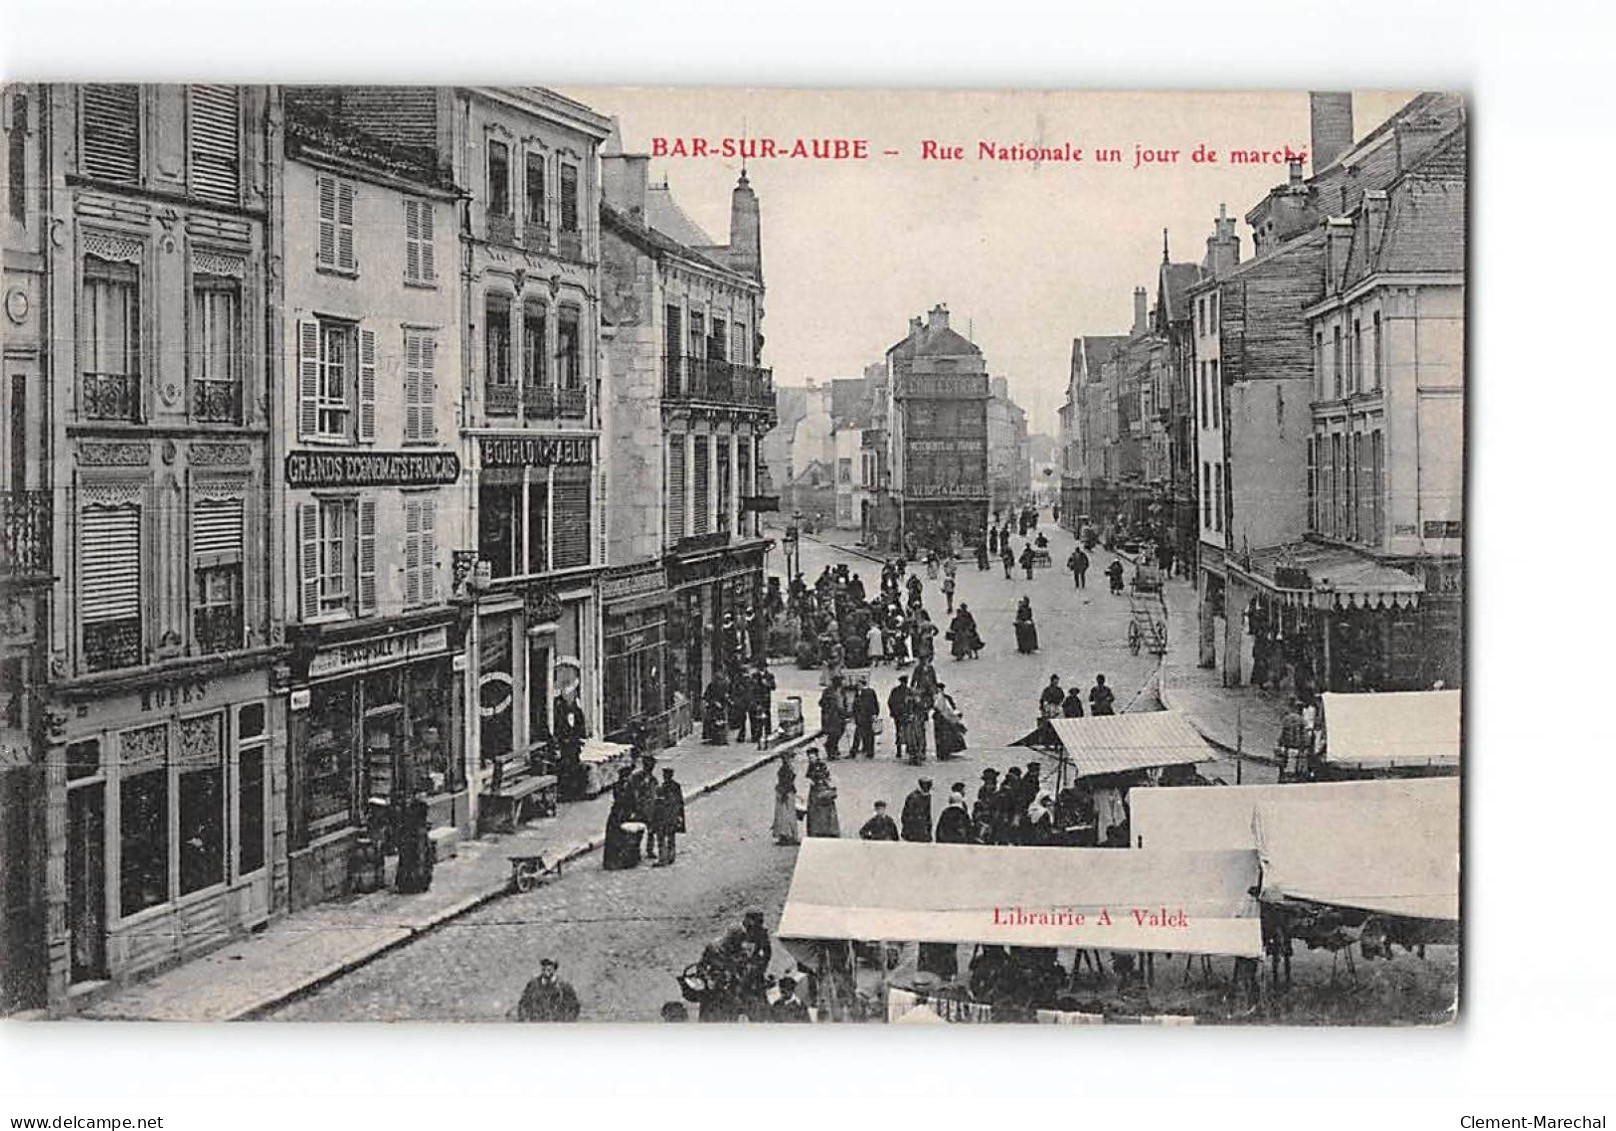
<point>1113,899</point>
<point>1384,847</point>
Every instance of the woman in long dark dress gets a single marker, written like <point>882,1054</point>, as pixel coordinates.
<point>623,826</point>
<point>415,857</point>
<point>961,635</point>
<point>1026,630</point>
<point>948,724</point>
<point>822,818</point>
<point>785,828</point>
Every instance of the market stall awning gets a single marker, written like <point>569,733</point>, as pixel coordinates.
<point>1115,899</point>
<point>1393,728</point>
<point>1200,817</point>
<point>1399,856</point>
<point>1315,575</point>
<point>1117,744</point>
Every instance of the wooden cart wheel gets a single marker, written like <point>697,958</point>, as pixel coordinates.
<point>527,879</point>
<point>1133,638</point>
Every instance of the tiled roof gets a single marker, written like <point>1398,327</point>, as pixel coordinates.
<point>663,213</point>
<point>1177,278</point>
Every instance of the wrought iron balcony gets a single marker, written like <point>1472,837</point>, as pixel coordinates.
<point>717,382</point>
<point>25,534</point>
<point>218,628</point>
<point>216,402</point>
<point>111,396</point>
<point>570,245</point>
<point>574,403</point>
<point>500,400</point>
<point>112,644</point>
<point>536,237</point>
<point>501,230</point>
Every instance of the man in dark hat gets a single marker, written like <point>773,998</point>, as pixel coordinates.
<point>898,708</point>
<point>866,709</point>
<point>1072,706</point>
<point>757,952</point>
<point>986,800</point>
<point>667,817</point>
<point>917,813</point>
<point>880,826</point>
<point>547,997</point>
<point>788,1006</point>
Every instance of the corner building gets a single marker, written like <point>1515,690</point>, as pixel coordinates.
<point>140,406</point>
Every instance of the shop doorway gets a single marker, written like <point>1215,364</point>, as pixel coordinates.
<point>86,881</point>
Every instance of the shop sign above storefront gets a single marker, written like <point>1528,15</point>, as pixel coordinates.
<point>371,469</point>
<point>362,654</point>
<point>535,451</point>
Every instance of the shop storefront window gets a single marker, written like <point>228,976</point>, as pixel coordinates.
<point>434,766</point>
<point>143,819</point>
<point>201,803</point>
<point>383,709</point>
<point>250,790</point>
<point>494,689</point>
<point>499,525</point>
<point>538,690</point>
<point>328,758</point>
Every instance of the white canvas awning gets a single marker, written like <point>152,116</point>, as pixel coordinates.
<point>1393,728</point>
<point>1115,899</point>
<point>1115,744</point>
<point>1390,847</point>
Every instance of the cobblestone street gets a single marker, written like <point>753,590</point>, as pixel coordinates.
<point>622,936</point>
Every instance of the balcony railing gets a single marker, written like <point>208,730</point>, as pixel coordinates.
<point>218,629</point>
<point>704,379</point>
<point>112,644</point>
<point>25,534</point>
<point>500,400</point>
<point>573,403</point>
<point>216,402</point>
<point>570,245</point>
<point>536,237</point>
<point>501,230</point>
<point>112,396</point>
<point>546,402</point>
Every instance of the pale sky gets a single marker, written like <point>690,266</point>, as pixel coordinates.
<point>1026,256</point>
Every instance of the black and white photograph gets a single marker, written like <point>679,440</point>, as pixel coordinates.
<point>625,554</point>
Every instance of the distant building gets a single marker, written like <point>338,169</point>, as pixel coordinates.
<point>937,436</point>
<point>1009,462</point>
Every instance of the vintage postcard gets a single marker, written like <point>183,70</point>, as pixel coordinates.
<point>659,555</point>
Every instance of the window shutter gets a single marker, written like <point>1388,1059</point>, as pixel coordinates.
<point>326,248</point>
<point>216,143</point>
<point>572,528</point>
<point>308,559</point>
<point>216,531</point>
<point>676,486</point>
<point>412,551</point>
<point>367,555</point>
<point>109,563</point>
<point>367,385</point>
<point>345,227</point>
<point>428,387</point>
<point>412,385</point>
<point>111,131</point>
<point>308,378</point>
<point>429,547</point>
<point>429,266</point>
<point>412,240</point>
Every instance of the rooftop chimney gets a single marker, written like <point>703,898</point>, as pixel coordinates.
<point>745,229</point>
<point>1141,310</point>
<point>1374,206</point>
<point>937,318</point>
<point>1331,114</point>
<point>1337,245</point>
<point>1296,172</point>
<point>623,176</point>
<point>915,325</point>
<point>1223,245</point>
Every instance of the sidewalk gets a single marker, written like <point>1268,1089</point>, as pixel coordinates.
<point>252,975</point>
<point>1230,718</point>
